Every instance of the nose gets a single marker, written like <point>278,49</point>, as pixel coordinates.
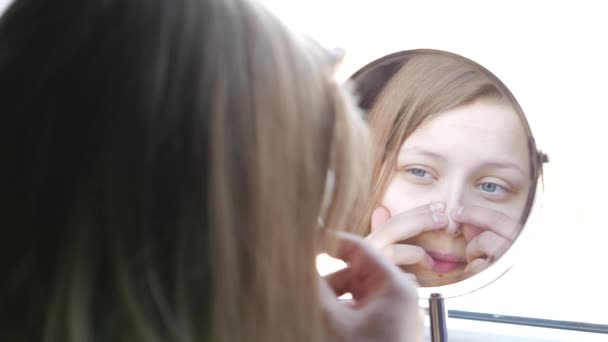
<point>455,198</point>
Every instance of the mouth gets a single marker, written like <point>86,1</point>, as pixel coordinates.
<point>444,263</point>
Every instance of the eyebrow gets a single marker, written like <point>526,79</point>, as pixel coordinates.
<point>504,165</point>
<point>486,164</point>
<point>421,151</point>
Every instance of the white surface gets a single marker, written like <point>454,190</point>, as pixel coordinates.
<point>473,331</point>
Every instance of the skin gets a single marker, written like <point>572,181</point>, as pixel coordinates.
<point>385,301</point>
<point>454,202</point>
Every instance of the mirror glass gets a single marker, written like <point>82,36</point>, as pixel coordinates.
<point>455,165</point>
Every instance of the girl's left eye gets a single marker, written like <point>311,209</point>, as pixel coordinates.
<point>492,188</point>
<point>489,187</point>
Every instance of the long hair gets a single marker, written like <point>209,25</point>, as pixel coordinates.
<point>404,90</point>
<point>165,165</point>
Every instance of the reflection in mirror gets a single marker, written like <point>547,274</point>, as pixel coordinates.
<point>456,165</point>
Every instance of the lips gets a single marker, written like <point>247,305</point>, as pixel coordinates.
<point>444,263</point>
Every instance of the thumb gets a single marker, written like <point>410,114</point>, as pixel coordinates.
<point>379,216</point>
<point>337,317</point>
<point>476,266</point>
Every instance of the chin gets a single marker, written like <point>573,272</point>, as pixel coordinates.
<point>439,281</point>
<point>428,278</point>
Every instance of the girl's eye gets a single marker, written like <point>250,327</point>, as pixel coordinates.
<point>419,173</point>
<point>489,187</point>
<point>493,188</point>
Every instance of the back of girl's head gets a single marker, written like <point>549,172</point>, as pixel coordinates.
<point>167,162</point>
<point>405,90</point>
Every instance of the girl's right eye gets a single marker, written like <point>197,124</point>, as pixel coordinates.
<point>419,172</point>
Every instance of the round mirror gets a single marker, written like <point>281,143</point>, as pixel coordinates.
<point>456,168</point>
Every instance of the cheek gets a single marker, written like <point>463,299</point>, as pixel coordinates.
<point>470,232</point>
<point>513,207</point>
<point>400,196</point>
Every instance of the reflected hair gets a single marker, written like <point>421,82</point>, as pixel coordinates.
<point>167,163</point>
<point>402,91</point>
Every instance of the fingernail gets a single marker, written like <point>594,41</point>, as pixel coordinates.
<point>437,206</point>
<point>439,217</point>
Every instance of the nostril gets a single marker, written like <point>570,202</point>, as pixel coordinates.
<point>453,227</point>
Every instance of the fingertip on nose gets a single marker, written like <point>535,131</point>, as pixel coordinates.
<point>453,227</point>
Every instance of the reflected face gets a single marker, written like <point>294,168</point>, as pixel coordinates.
<point>473,155</point>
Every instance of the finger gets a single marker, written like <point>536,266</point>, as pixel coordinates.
<point>357,253</point>
<point>381,214</point>
<point>337,316</point>
<point>340,281</point>
<point>408,255</point>
<point>409,224</point>
<point>368,271</point>
<point>488,245</point>
<point>476,266</point>
<point>393,298</point>
<point>379,217</point>
<point>488,219</point>
<point>411,277</point>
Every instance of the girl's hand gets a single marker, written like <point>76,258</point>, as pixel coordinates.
<point>492,235</point>
<point>387,232</point>
<point>385,301</point>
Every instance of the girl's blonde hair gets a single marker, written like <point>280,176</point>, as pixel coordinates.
<point>168,161</point>
<point>403,90</point>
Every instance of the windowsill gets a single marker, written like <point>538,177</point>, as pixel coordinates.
<point>460,330</point>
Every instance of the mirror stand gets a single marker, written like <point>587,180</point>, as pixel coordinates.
<point>439,330</point>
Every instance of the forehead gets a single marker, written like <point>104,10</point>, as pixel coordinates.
<point>486,129</point>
